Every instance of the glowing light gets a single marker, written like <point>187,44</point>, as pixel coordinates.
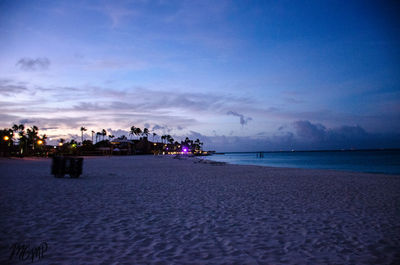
<point>60,144</point>
<point>154,144</point>
<point>39,142</point>
<point>6,138</point>
<point>184,150</point>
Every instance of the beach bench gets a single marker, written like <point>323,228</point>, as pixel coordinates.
<point>66,165</point>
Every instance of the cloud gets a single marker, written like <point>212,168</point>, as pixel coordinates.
<point>7,118</point>
<point>316,136</point>
<point>309,131</point>
<point>10,88</point>
<point>164,129</point>
<point>312,132</point>
<point>24,121</point>
<point>48,128</point>
<point>117,133</point>
<point>306,136</point>
<point>30,64</point>
<point>157,127</point>
<point>89,106</point>
<point>243,120</point>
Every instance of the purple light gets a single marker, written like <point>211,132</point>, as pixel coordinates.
<point>184,150</point>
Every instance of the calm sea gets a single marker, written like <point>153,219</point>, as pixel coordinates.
<point>360,161</point>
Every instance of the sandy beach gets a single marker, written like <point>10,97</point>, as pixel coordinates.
<point>160,210</point>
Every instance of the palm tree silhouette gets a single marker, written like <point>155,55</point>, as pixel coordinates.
<point>32,135</point>
<point>133,130</point>
<point>146,132</point>
<point>98,136</point>
<point>44,138</point>
<point>92,135</point>
<point>103,133</point>
<point>82,130</point>
<point>138,132</point>
<point>154,134</point>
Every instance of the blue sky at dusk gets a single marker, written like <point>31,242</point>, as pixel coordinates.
<point>239,75</point>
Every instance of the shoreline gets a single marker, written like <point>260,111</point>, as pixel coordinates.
<point>385,162</point>
<point>194,158</point>
<point>148,209</point>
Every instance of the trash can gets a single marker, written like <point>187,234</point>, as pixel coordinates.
<point>67,165</point>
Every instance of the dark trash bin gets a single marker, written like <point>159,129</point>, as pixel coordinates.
<point>67,165</point>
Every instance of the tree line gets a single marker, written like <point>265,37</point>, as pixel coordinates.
<point>29,142</point>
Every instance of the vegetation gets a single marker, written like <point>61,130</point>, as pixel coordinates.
<point>21,141</point>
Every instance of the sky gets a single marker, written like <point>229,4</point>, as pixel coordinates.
<point>238,75</point>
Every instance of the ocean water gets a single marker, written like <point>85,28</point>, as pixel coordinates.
<point>380,161</point>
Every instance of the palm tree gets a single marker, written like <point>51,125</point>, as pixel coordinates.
<point>170,139</point>
<point>163,137</point>
<point>98,136</point>
<point>82,130</point>
<point>146,132</point>
<point>44,138</point>
<point>15,128</point>
<point>22,141</point>
<point>133,130</point>
<point>198,145</point>
<point>92,135</point>
<point>32,135</point>
<point>154,134</point>
<point>111,136</point>
<point>104,133</point>
<point>138,132</point>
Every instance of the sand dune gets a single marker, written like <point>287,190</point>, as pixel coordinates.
<point>150,210</point>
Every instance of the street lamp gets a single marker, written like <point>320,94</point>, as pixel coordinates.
<point>39,142</point>
<point>6,138</point>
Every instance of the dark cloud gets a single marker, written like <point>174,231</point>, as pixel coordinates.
<point>157,127</point>
<point>306,136</point>
<point>30,64</point>
<point>164,129</point>
<point>243,120</point>
<point>317,133</point>
<point>316,136</point>
<point>24,121</point>
<point>309,131</point>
